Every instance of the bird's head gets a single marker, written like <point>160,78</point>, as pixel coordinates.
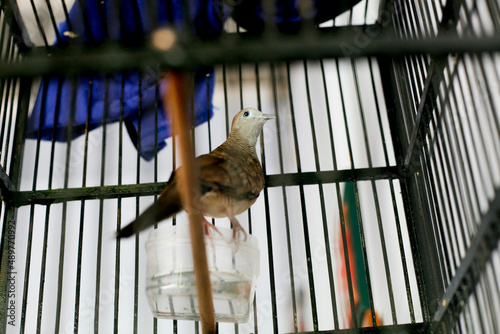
<point>248,123</point>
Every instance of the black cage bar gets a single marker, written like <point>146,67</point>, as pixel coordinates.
<point>387,116</point>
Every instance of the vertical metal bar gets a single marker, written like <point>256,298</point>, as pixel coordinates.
<point>207,87</point>
<point>393,197</point>
<point>82,209</point>
<point>13,95</point>
<point>329,115</point>
<point>5,33</point>
<point>240,80</point>
<point>354,316</point>
<point>259,107</point>
<point>62,246</point>
<point>469,84</point>
<point>257,84</point>
<point>53,19</point>
<point>66,14</point>
<point>9,223</point>
<point>485,286</point>
<point>86,21</point>
<point>41,288</point>
<point>474,299</point>
<point>294,127</point>
<point>42,271</point>
<point>119,211</point>
<point>304,214</point>
<point>365,256</point>
<point>475,60</point>
<point>155,177</point>
<point>97,298</point>
<point>494,124</point>
<point>55,125</point>
<point>32,208</point>
<point>468,318</point>
<point>285,199</point>
<point>458,166</point>
<point>423,10</point>
<point>494,283</point>
<point>440,162</point>
<point>226,108</point>
<point>420,60</point>
<point>474,207</point>
<point>436,175</point>
<point>266,205</point>
<point>410,66</point>
<point>402,253</point>
<point>350,288</point>
<point>190,87</point>
<point>321,193</point>
<point>334,159</point>
<point>433,202</point>
<point>420,235</point>
<point>377,209</point>
<point>494,13</point>
<point>6,96</point>
<point>117,268</point>
<point>137,206</point>
<point>266,198</point>
<point>479,62</point>
<point>39,24</point>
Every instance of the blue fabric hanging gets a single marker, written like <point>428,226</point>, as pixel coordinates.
<point>63,102</point>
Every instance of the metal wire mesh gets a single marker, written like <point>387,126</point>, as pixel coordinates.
<point>397,99</point>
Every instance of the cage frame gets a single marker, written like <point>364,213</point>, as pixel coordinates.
<point>439,309</point>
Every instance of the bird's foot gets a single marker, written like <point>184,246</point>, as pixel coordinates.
<point>208,227</point>
<point>238,230</point>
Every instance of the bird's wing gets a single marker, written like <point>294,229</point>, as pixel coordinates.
<point>235,175</point>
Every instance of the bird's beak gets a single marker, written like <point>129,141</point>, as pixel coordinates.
<point>268,116</point>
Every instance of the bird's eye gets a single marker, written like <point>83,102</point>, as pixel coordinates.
<point>246,114</point>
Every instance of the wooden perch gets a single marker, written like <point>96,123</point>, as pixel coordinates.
<point>175,99</point>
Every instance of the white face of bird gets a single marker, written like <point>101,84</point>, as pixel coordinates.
<point>250,117</point>
<point>249,122</point>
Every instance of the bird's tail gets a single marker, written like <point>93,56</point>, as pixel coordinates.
<point>168,204</point>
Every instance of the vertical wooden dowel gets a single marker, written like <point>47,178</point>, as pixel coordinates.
<point>176,97</point>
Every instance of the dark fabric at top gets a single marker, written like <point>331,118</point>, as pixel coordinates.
<point>249,14</point>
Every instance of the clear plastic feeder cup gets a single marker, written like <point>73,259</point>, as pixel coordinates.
<point>170,281</point>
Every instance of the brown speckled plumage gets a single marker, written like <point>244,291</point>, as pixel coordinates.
<point>231,177</point>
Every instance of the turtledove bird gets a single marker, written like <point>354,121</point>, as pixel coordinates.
<point>231,179</point>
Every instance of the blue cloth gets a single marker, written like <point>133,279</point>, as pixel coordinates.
<point>62,102</point>
<point>100,99</point>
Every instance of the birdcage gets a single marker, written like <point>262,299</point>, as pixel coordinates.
<point>381,208</point>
